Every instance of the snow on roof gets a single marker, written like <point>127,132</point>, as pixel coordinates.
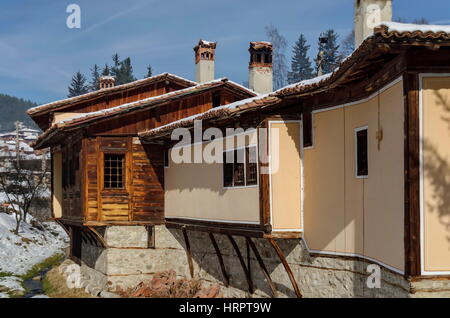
<point>408,27</point>
<point>230,106</point>
<point>103,91</point>
<point>307,82</point>
<point>131,104</point>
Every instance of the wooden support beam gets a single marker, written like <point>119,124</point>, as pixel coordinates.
<point>241,260</point>
<point>286,266</point>
<point>188,251</point>
<point>98,236</point>
<point>219,256</point>
<point>263,266</point>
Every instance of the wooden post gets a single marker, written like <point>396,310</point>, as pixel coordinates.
<point>263,267</point>
<point>219,256</point>
<point>412,175</point>
<point>188,251</point>
<point>286,266</point>
<point>241,260</point>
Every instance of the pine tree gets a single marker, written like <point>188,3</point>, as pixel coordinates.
<point>279,44</point>
<point>348,44</point>
<point>301,68</point>
<point>78,85</point>
<point>330,49</point>
<point>149,71</point>
<point>106,71</point>
<point>95,75</point>
<point>125,72</point>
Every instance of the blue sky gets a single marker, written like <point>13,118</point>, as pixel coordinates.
<point>39,54</point>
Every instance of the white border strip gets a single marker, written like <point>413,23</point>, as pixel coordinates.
<point>212,220</point>
<point>396,270</point>
<point>421,183</point>
<point>301,172</point>
<point>364,100</point>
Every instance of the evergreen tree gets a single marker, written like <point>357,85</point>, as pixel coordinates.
<point>330,49</point>
<point>348,45</point>
<point>279,44</point>
<point>106,70</point>
<point>78,85</point>
<point>115,69</point>
<point>125,72</point>
<point>95,74</point>
<point>301,68</point>
<point>149,71</point>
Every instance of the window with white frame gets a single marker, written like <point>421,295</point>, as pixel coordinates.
<point>362,153</point>
<point>240,167</point>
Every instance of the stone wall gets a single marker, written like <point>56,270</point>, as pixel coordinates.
<point>127,261</point>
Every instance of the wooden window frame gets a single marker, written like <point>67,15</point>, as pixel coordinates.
<point>245,183</point>
<point>124,172</point>
<point>357,170</point>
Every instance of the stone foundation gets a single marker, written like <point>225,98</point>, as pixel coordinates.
<point>128,260</point>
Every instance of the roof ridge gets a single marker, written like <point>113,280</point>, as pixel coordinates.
<point>93,94</point>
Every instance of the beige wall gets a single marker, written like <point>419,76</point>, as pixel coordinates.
<point>63,116</point>
<point>285,179</point>
<point>195,190</point>
<point>436,174</point>
<point>348,215</point>
<point>57,184</point>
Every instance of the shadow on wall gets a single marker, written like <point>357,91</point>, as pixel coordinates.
<point>203,254</point>
<point>437,170</point>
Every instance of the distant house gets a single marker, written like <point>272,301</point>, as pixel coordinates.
<point>352,172</point>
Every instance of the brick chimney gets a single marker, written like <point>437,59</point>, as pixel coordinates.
<point>205,54</point>
<point>369,14</point>
<point>260,77</point>
<point>106,81</point>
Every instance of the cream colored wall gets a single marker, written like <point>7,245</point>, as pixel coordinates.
<point>195,190</point>
<point>63,116</point>
<point>285,179</point>
<point>349,215</point>
<point>57,184</point>
<point>436,174</point>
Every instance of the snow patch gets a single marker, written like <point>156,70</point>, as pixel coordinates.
<point>408,27</point>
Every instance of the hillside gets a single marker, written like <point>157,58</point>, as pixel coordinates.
<point>13,109</point>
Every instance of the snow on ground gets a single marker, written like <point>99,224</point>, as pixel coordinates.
<point>12,283</point>
<point>18,253</point>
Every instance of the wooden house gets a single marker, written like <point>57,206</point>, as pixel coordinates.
<point>102,174</point>
<point>361,159</point>
<point>326,176</point>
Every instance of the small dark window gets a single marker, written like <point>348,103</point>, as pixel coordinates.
<point>215,99</point>
<point>258,58</point>
<point>166,158</point>
<point>114,171</point>
<point>362,166</point>
<point>227,169</point>
<point>251,166</point>
<point>240,167</point>
<point>268,58</point>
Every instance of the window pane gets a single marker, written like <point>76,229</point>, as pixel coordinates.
<point>251,166</point>
<point>362,167</point>
<point>239,167</point>
<point>227,172</point>
<point>114,171</point>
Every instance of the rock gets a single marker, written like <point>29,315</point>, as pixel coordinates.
<point>107,294</point>
<point>36,278</point>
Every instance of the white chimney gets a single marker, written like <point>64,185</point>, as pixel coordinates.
<point>368,15</point>
<point>205,54</point>
<point>260,77</point>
